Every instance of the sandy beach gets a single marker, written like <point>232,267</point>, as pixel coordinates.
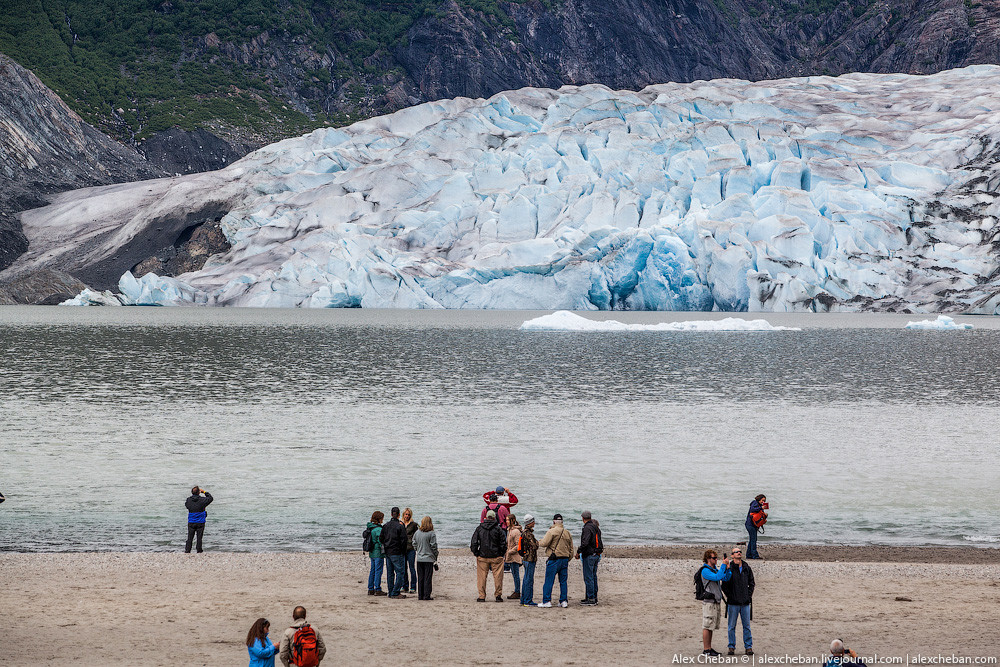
<point>195,609</point>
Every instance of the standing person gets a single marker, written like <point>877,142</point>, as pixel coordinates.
<point>500,492</point>
<point>529,554</point>
<point>489,546</point>
<point>711,603</point>
<point>493,505</point>
<point>739,600</point>
<point>512,557</point>
<point>410,570</point>
<point>376,555</point>
<point>196,505</point>
<point>756,518</point>
<point>393,539</point>
<point>558,543</point>
<point>260,648</point>
<point>591,548</point>
<point>301,645</point>
<point>426,549</point>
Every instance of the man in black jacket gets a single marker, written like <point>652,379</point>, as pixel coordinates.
<point>489,546</point>
<point>591,548</point>
<point>393,540</point>
<point>196,505</point>
<point>739,600</point>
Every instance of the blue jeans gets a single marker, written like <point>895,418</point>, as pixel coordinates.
<point>410,571</point>
<point>752,544</point>
<point>590,574</point>
<point>553,567</point>
<point>515,569</point>
<point>375,574</point>
<point>741,611</point>
<point>528,587</point>
<point>394,576</point>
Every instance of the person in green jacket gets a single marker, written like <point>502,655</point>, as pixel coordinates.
<point>376,555</point>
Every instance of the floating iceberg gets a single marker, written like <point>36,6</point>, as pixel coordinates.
<point>89,297</point>
<point>942,323</point>
<point>861,192</point>
<point>564,320</point>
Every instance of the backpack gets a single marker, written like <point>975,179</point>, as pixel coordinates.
<point>758,519</point>
<point>367,543</point>
<point>304,647</point>
<point>699,588</point>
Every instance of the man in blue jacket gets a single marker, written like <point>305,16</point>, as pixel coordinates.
<point>711,606</point>
<point>196,516</point>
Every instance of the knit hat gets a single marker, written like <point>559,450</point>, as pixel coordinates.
<point>528,519</point>
<point>557,517</point>
<point>491,515</point>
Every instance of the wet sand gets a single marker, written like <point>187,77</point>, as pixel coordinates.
<point>195,609</point>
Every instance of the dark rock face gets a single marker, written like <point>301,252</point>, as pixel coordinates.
<point>47,287</point>
<point>45,148</point>
<point>177,151</point>
<point>188,252</point>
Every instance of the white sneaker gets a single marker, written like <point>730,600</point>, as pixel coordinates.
<point>544,605</point>
<point>564,604</point>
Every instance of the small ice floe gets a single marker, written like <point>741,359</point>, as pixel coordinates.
<point>942,323</point>
<point>563,320</point>
<point>89,297</point>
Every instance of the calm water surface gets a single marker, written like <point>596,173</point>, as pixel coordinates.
<point>301,423</point>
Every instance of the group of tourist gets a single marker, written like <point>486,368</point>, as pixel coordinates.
<point>406,550</point>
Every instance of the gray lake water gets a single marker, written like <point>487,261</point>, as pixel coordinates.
<point>301,423</point>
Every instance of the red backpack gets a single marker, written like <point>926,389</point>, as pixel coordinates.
<point>758,518</point>
<point>305,651</point>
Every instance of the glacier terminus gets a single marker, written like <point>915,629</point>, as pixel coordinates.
<point>862,192</point>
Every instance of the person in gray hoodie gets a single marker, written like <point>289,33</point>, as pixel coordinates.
<point>426,545</point>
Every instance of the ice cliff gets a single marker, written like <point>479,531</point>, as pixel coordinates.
<point>861,192</point>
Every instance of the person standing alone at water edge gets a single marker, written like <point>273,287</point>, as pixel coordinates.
<point>196,516</point>
<point>756,518</point>
<point>739,600</point>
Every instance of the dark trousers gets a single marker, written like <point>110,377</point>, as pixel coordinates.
<point>590,574</point>
<point>528,584</point>
<point>425,573</point>
<point>194,529</point>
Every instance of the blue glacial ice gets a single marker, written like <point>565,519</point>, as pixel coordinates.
<point>861,192</point>
<point>563,320</point>
<point>942,323</point>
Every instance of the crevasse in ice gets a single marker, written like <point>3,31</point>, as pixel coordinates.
<point>861,192</point>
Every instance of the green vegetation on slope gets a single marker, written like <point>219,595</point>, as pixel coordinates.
<point>140,66</point>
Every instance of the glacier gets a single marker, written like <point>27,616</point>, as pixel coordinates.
<point>859,192</point>
<point>563,320</point>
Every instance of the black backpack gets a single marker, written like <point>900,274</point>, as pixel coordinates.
<point>699,587</point>
<point>367,544</point>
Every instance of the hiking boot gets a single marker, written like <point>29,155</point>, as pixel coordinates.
<point>379,592</point>
<point>711,652</point>
<point>516,595</point>
<point>749,651</point>
<point>371,591</point>
<point>480,599</point>
<point>732,651</point>
<point>397,597</point>
<point>588,603</point>
<point>499,598</point>
<point>564,604</point>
